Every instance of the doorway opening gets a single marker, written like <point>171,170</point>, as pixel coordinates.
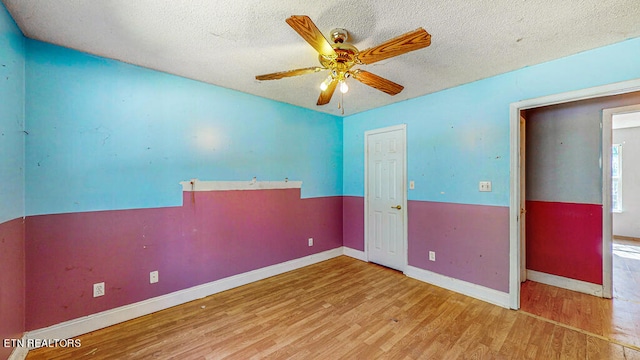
<point>516,200</point>
<point>625,201</point>
<point>603,314</point>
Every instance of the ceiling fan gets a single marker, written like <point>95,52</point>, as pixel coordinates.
<point>340,57</point>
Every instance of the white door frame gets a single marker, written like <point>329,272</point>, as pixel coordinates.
<point>607,229</point>
<point>403,211</point>
<point>514,203</point>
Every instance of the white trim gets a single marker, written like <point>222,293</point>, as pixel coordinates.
<point>356,254</point>
<point>607,215</point>
<point>460,286</point>
<point>403,128</point>
<point>626,121</point>
<point>514,153</point>
<point>76,327</point>
<point>20,353</point>
<point>514,208</point>
<point>199,185</point>
<point>565,283</point>
<point>582,94</point>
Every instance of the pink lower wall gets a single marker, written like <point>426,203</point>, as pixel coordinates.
<point>213,235</point>
<point>12,282</point>
<point>565,239</point>
<point>353,222</point>
<point>471,242</point>
<point>218,234</point>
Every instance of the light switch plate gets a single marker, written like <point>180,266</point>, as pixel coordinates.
<point>485,186</point>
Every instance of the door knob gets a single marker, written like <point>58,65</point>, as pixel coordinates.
<point>397,207</point>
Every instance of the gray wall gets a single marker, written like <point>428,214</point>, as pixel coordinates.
<point>563,154</point>
<point>563,150</point>
<point>627,223</point>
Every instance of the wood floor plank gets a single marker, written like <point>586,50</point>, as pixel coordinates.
<point>340,309</point>
<point>617,319</point>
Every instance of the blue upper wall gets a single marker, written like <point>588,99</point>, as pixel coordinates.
<point>107,135</point>
<point>460,136</point>
<point>12,63</point>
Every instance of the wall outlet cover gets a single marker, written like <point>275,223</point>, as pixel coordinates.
<point>153,277</point>
<point>98,289</point>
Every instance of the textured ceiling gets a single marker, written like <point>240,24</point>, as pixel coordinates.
<point>228,42</point>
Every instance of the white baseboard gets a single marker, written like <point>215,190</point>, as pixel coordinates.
<point>565,283</point>
<point>73,328</point>
<point>356,254</point>
<point>76,327</point>
<point>20,353</point>
<point>463,287</point>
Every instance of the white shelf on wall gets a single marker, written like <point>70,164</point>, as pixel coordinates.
<point>200,185</point>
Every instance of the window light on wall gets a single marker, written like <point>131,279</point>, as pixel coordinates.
<point>616,178</point>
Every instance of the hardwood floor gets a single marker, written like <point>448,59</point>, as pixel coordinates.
<point>626,270</point>
<point>617,319</point>
<point>339,309</point>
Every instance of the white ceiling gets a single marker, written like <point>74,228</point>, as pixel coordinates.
<point>228,42</point>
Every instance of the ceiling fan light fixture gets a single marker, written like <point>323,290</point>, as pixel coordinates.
<point>340,57</point>
<point>325,84</point>
<point>343,86</point>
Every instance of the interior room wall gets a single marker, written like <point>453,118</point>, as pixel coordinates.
<point>458,137</point>
<point>564,187</point>
<point>626,223</point>
<point>109,144</point>
<point>12,267</point>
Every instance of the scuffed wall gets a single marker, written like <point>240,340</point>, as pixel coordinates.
<point>12,209</point>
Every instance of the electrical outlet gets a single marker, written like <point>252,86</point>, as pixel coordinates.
<point>153,277</point>
<point>98,289</point>
<point>310,241</point>
<point>432,255</point>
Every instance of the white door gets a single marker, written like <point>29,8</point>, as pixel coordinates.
<point>385,236</point>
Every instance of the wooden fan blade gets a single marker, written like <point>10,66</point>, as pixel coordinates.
<point>410,41</point>
<point>377,82</point>
<point>289,73</point>
<point>303,25</point>
<point>326,95</point>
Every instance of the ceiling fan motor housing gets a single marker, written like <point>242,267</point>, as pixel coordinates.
<point>339,35</point>
<point>346,53</point>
